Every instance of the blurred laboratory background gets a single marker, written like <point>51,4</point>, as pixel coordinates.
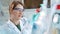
<point>49,12</point>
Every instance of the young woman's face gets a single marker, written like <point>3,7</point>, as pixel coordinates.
<point>17,11</point>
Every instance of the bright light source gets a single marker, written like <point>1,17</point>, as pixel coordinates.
<point>55,19</point>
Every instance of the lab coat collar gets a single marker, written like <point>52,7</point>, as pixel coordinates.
<point>13,27</point>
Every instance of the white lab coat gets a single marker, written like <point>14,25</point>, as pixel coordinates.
<point>10,28</point>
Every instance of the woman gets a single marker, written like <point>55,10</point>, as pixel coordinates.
<point>17,24</point>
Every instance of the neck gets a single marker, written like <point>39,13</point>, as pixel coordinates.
<point>16,22</point>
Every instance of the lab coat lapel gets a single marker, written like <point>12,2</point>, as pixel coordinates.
<point>13,27</point>
<point>21,24</point>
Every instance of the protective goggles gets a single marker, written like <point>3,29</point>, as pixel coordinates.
<point>21,10</point>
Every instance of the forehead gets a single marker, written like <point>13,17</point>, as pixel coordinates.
<point>19,6</point>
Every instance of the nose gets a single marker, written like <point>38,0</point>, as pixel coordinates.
<point>20,12</point>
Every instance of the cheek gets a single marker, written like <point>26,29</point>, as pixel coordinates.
<point>14,14</point>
